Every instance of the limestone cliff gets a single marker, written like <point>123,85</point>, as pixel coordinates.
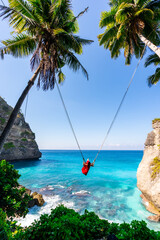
<point>148,174</point>
<point>20,144</point>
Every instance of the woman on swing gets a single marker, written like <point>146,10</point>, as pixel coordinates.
<point>86,166</point>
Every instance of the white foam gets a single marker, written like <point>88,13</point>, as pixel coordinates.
<point>50,187</point>
<point>60,186</point>
<point>82,192</point>
<point>51,202</point>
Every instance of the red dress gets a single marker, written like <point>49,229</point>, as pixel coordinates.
<point>85,169</point>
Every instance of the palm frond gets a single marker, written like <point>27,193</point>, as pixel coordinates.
<point>70,42</point>
<point>152,59</point>
<point>17,19</point>
<point>116,46</point>
<point>154,79</point>
<point>108,34</point>
<point>107,17</point>
<point>75,64</point>
<point>153,5</point>
<point>21,45</point>
<point>61,77</point>
<point>83,41</point>
<point>146,13</point>
<point>123,12</point>
<point>128,58</point>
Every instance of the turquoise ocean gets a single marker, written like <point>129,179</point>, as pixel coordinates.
<point>109,189</point>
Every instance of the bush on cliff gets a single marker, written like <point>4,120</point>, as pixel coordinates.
<point>67,224</point>
<point>13,200</point>
<point>7,228</point>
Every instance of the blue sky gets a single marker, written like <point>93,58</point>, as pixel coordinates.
<point>91,104</point>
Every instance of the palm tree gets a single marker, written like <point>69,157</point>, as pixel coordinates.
<point>130,24</point>
<point>45,28</point>
<point>153,59</point>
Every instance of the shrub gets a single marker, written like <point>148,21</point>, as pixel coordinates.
<point>13,201</point>
<point>24,139</point>
<point>155,167</point>
<point>67,224</point>
<point>8,145</point>
<point>26,133</point>
<point>5,232</point>
<point>2,120</point>
<point>156,120</point>
<point>7,228</point>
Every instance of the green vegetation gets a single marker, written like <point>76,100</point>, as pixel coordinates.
<point>7,228</point>
<point>155,166</point>
<point>2,120</point>
<point>129,26</point>
<point>22,146</point>
<point>155,60</point>
<point>5,232</point>
<point>24,139</point>
<point>156,120</point>
<point>64,223</point>
<point>37,24</point>
<point>26,133</point>
<point>13,201</point>
<point>8,145</point>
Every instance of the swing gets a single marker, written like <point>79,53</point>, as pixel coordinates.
<point>86,168</point>
<point>87,164</point>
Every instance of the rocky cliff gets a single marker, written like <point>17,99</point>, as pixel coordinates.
<point>20,144</point>
<point>148,174</point>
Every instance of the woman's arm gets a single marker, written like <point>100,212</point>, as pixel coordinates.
<point>92,164</point>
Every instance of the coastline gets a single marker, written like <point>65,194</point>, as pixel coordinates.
<point>110,191</point>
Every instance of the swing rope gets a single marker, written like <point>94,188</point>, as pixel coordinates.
<point>120,105</point>
<point>115,116</point>
<point>69,120</point>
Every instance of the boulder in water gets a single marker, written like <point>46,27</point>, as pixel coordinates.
<point>38,198</point>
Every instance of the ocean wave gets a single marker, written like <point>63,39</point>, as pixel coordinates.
<point>81,193</point>
<point>51,202</point>
<point>60,186</point>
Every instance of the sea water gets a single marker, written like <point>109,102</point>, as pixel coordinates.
<point>109,189</point>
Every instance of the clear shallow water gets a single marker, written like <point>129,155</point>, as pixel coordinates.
<point>109,189</point>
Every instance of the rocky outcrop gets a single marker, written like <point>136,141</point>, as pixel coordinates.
<point>39,201</point>
<point>154,218</point>
<point>148,174</point>
<point>20,144</point>
<point>36,198</point>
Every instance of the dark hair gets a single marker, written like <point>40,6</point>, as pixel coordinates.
<point>89,164</point>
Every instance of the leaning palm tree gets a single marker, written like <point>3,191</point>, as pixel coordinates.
<point>130,24</point>
<point>154,78</point>
<point>46,29</point>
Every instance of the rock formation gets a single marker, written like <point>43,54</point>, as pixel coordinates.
<point>36,198</point>
<point>20,144</point>
<point>148,174</point>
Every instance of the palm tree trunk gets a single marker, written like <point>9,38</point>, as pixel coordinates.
<point>16,109</point>
<point>153,47</point>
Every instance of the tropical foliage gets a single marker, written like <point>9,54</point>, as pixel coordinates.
<point>47,30</point>
<point>64,223</point>
<point>127,24</point>
<point>154,78</point>
<point>13,200</point>
<point>7,228</point>
<point>61,223</point>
